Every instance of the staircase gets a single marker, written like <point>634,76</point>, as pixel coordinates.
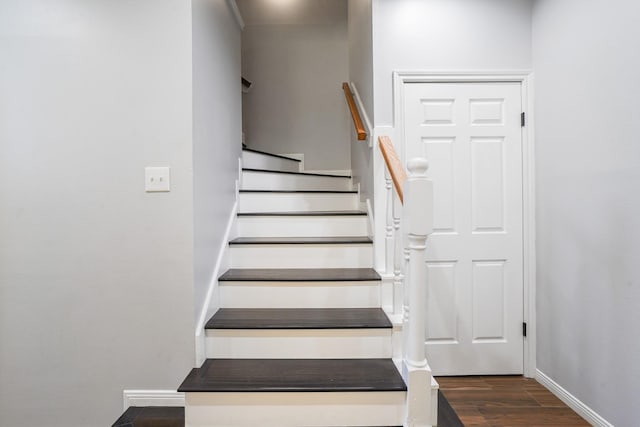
<point>300,339</point>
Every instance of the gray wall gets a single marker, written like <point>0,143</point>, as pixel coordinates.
<point>96,276</point>
<point>361,74</point>
<point>588,181</point>
<point>217,133</point>
<point>297,57</point>
<point>446,35</point>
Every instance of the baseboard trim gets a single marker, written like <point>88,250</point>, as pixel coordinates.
<point>152,398</point>
<point>223,254</point>
<point>573,402</point>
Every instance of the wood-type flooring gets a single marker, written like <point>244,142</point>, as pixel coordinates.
<point>499,401</point>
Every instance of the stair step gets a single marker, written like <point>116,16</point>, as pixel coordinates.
<point>299,274</point>
<point>300,240</point>
<point>319,318</point>
<point>301,252</point>
<point>294,375</point>
<point>151,416</point>
<point>301,224</point>
<point>300,288</point>
<point>299,191</point>
<point>262,179</point>
<point>278,201</point>
<point>294,333</point>
<point>305,213</point>
<point>264,153</point>
<point>256,159</point>
<point>325,175</point>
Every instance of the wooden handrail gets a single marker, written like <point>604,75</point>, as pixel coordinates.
<point>394,165</point>
<point>355,114</point>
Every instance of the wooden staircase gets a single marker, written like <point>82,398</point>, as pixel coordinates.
<point>300,339</point>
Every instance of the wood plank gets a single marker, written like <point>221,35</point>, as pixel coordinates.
<point>501,401</point>
<point>299,240</point>
<point>394,165</point>
<point>302,191</point>
<point>294,375</point>
<point>153,416</point>
<point>305,213</point>
<point>295,318</point>
<point>300,275</point>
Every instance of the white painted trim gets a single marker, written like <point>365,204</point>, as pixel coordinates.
<point>152,398</point>
<point>363,112</point>
<point>525,78</point>
<point>236,13</point>
<point>370,218</point>
<point>223,254</point>
<point>573,402</point>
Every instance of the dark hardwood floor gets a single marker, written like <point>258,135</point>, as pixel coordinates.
<point>499,401</point>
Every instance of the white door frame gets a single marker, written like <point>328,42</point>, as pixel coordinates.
<point>525,78</point>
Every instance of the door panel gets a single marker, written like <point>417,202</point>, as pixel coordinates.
<point>471,135</point>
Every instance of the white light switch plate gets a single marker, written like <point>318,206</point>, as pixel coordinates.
<point>157,179</point>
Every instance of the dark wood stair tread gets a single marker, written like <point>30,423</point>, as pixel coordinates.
<point>300,275</point>
<point>302,191</point>
<point>151,416</point>
<point>299,318</point>
<point>299,240</point>
<point>305,213</point>
<point>294,375</point>
<point>280,156</point>
<point>324,175</point>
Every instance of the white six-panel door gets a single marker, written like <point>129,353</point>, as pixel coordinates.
<point>471,135</point>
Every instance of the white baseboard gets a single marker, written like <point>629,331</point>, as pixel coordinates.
<point>573,402</point>
<point>152,398</point>
<point>222,262</point>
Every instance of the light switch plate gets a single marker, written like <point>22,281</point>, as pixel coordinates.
<point>157,179</point>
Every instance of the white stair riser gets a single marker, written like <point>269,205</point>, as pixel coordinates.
<point>302,226</point>
<point>302,256</point>
<point>300,294</point>
<point>286,202</point>
<point>299,344</point>
<point>283,181</point>
<point>288,409</point>
<point>262,161</point>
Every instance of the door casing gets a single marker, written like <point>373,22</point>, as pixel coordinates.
<point>526,80</point>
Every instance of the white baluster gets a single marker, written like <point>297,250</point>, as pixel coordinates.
<point>398,261</point>
<point>389,223</point>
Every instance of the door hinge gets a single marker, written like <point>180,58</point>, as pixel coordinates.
<point>522,121</point>
<point>524,329</point>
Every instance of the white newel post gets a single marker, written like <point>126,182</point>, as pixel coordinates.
<point>417,224</point>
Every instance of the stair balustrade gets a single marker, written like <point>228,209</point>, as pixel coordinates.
<point>409,222</point>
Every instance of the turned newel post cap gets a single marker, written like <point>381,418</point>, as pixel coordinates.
<point>418,166</point>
